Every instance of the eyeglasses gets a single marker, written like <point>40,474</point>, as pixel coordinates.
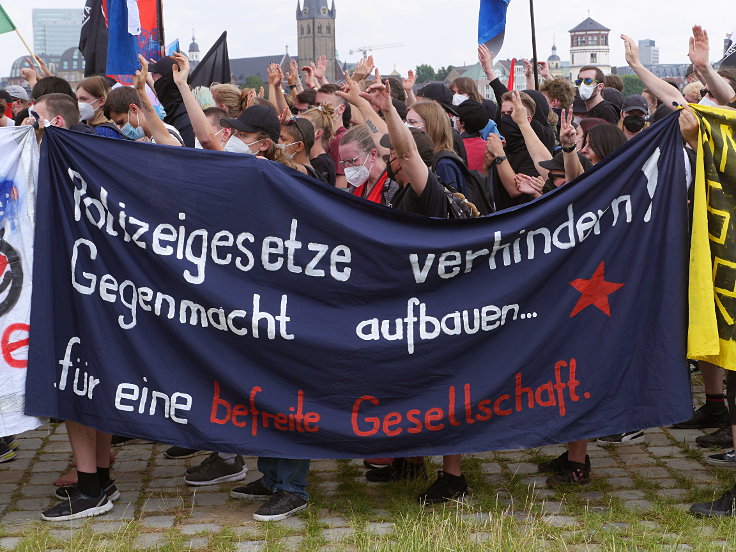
<point>293,121</point>
<point>704,92</point>
<point>587,81</point>
<point>351,162</point>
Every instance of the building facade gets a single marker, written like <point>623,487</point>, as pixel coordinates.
<point>56,30</point>
<point>193,53</point>
<point>589,46</point>
<point>315,23</point>
<point>648,52</point>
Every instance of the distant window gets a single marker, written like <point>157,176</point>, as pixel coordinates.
<point>319,28</point>
<point>329,29</point>
<point>593,58</point>
<point>309,29</point>
<point>593,40</point>
<point>305,11</point>
<point>301,30</point>
<point>324,11</point>
<point>604,40</point>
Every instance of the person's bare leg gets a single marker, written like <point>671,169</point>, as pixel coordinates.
<point>576,451</point>
<point>451,464</point>
<point>712,378</point>
<point>103,452</point>
<point>83,440</point>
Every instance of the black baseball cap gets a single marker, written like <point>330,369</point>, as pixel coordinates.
<point>635,102</point>
<point>257,118</point>
<point>163,66</point>
<point>424,143</point>
<point>473,115</point>
<point>438,92</point>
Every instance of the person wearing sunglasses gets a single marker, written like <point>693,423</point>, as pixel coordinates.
<point>590,82</point>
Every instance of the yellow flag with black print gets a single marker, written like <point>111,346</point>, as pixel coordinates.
<point>712,290</point>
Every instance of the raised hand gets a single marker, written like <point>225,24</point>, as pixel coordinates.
<point>139,81</point>
<point>261,92</point>
<point>250,98</point>
<point>485,57</point>
<point>409,81</point>
<point>293,75</point>
<point>494,146</point>
<point>544,70</point>
<point>699,48</point>
<point>379,94</point>
<point>362,70</point>
<point>350,90</point>
<point>567,131</point>
<point>275,75</point>
<point>44,68</point>
<point>519,115</point>
<point>321,69</point>
<point>180,69</point>
<point>309,79</point>
<point>632,51</point>
<point>284,116</point>
<point>528,69</point>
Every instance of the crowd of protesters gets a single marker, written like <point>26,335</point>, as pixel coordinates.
<point>438,151</point>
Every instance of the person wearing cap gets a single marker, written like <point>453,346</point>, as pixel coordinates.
<point>168,94</point>
<point>472,119</point>
<point>442,95</point>
<point>19,102</point>
<point>633,115</point>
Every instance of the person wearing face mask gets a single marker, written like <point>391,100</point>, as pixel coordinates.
<point>365,170</point>
<point>321,161</point>
<point>91,96</point>
<point>633,115</point>
<point>473,118</point>
<point>168,94</point>
<point>124,108</point>
<point>296,141</point>
<point>590,82</point>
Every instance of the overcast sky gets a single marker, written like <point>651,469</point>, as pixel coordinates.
<point>437,32</point>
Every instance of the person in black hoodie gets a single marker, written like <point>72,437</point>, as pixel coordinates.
<point>170,97</point>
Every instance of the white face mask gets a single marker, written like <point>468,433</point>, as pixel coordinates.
<point>356,176</point>
<point>283,147</point>
<point>236,145</point>
<point>587,90</point>
<point>86,111</point>
<point>457,99</point>
<point>708,101</point>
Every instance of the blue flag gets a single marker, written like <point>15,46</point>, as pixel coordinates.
<point>492,24</point>
<point>172,48</point>
<point>223,302</point>
<point>122,47</point>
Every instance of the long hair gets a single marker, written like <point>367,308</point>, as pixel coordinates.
<point>96,86</point>
<point>605,139</point>
<point>436,124</point>
<point>227,95</point>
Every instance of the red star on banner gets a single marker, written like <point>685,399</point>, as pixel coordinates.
<point>595,291</point>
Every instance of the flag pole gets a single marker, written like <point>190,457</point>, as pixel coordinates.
<point>534,46</point>
<point>33,56</point>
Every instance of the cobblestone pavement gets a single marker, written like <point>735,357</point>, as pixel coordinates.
<point>157,508</point>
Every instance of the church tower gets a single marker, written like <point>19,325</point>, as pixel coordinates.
<point>193,52</point>
<point>316,32</point>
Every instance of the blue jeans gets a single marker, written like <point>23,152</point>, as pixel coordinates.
<point>285,474</point>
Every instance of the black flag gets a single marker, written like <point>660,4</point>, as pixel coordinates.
<point>729,56</point>
<point>93,38</point>
<point>214,67</point>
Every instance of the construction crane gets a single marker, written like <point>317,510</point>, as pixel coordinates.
<point>366,49</point>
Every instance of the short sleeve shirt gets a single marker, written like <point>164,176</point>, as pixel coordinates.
<point>432,202</point>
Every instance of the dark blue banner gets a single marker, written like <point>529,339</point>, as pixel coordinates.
<point>223,302</point>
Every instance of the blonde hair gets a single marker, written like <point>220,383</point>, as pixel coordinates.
<point>436,124</point>
<point>693,88</point>
<point>275,153</point>
<point>227,95</point>
<point>204,97</point>
<point>321,117</point>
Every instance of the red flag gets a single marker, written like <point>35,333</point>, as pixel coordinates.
<point>510,85</point>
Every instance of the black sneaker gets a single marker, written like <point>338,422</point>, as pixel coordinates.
<point>6,453</point>
<point>446,487</point>
<point>721,438</point>
<point>175,453</point>
<point>628,438</point>
<point>63,493</point>
<point>398,469</point>
<point>255,490</point>
<point>722,507</point>
<point>574,473</point>
<point>558,464</point>
<point>704,417</point>
<point>214,470</point>
<point>280,506</point>
<point>11,442</point>
<point>78,505</point>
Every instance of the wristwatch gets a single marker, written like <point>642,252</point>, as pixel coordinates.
<point>500,159</point>
<point>568,149</point>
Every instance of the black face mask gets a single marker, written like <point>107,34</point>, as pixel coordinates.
<point>390,171</point>
<point>634,123</point>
